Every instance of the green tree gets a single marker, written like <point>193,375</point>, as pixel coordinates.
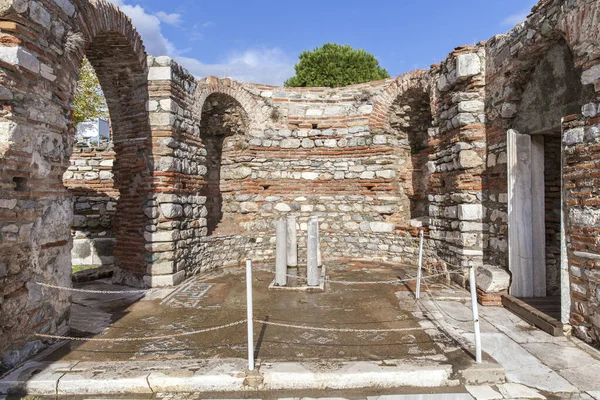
<point>89,100</point>
<point>335,65</point>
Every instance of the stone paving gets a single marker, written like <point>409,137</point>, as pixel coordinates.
<point>536,365</point>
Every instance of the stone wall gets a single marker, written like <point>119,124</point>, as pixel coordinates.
<point>95,198</point>
<point>43,43</point>
<point>581,174</point>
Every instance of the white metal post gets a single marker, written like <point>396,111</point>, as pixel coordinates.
<point>476,330</point>
<point>420,265</point>
<point>250,315</point>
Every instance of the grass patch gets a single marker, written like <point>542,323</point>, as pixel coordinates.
<point>79,268</point>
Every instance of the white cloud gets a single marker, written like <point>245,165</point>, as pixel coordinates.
<point>171,19</point>
<point>208,24</point>
<point>515,19</point>
<point>148,26</point>
<point>265,65</point>
<point>268,66</point>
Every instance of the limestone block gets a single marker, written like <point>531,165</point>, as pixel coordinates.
<point>431,166</point>
<point>386,174</point>
<point>308,143</point>
<point>8,203</point>
<point>470,212</point>
<point>469,159</point>
<point>333,110</point>
<point>67,7</point>
<point>47,72</point>
<point>592,133</point>
<point>282,207</point>
<point>248,207</point>
<point>164,280</point>
<point>106,175</point>
<point>463,119</point>
<point>471,106</point>
<point>5,93</point>
<point>161,236</point>
<point>19,6</point>
<point>314,112</point>
<point>443,83</point>
<point>163,61</point>
<point>509,110</point>
<point>162,119</point>
<point>266,93</point>
<point>382,227</point>
<point>171,210</point>
<point>39,14</point>
<point>290,143</point>
<point>19,56</point>
<point>589,110</point>
<point>492,279</point>
<point>365,109</point>
<point>467,65</point>
<point>450,212</point>
<point>310,175</point>
<point>573,136</point>
<point>591,75</point>
<point>159,73</point>
<point>379,139</point>
<point>161,268</point>
<point>241,172</point>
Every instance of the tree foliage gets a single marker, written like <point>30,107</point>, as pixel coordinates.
<point>89,100</point>
<point>334,65</point>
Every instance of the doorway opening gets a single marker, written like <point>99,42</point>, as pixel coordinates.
<point>552,89</point>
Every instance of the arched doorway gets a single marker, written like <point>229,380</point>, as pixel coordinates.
<point>36,142</point>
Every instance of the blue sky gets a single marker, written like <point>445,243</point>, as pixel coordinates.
<point>259,40</point>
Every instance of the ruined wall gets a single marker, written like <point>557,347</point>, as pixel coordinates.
<point>95,198</point>
<point>43,43</point>
<point>545,69</point>
<point>232,158</point>
<point>581,168</point>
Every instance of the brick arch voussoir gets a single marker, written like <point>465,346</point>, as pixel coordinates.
<point>379,117</point>
<point>101,17</point>
<point>236,92</point>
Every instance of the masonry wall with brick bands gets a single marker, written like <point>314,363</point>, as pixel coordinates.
<point>95,198</point>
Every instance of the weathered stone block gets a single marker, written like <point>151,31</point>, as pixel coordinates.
<point>467,65</point>
<point>382,227</point>
<point>469,159</point>
<point>574,136</point>
<point>509,110</point>
<point>470,212</point>
<point>67,7</point>
<point>591,75</point>
<point>171,210</point>
<point>159,73</point>
<point>161,268</point>
<point>472,106</point>
<point>164,280</point>
<point>19,56</point>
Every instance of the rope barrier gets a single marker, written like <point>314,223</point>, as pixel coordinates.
<point>322,329</point>
<point>137,339</point>
<point>71,289</point>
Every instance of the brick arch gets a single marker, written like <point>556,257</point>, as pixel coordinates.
<point>379,118</point>
<point>235,90</point>
<point>115,50</point>
<point>41,59</point>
